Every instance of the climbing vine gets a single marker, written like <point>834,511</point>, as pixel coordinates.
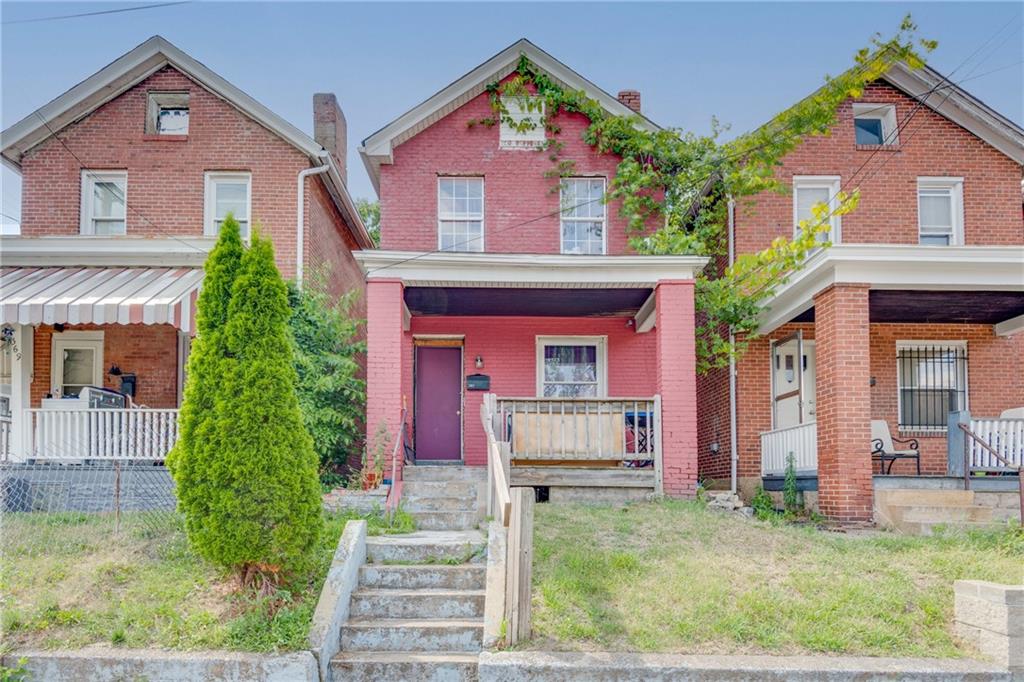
<point>674,186</point>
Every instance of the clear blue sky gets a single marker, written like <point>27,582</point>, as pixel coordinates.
<point>741,62</point>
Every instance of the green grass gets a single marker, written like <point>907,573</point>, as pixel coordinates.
<point>69,580</point>
<point>674,577</point>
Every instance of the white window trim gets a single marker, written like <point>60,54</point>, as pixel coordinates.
<point>602,358</point>
<point>90,178</point>
<point>886,113</point>
<point>529,140</point>
<point>956,185</point>
<point>157,100</point>
<point>209,208</point>
<point>483,212</point>
<point>74,339</point>
<point>604,221</point>
<point>833,184</point>
<point>945,343</point>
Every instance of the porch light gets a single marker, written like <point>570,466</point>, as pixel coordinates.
<point>479,362</point>
<point>114,371</point>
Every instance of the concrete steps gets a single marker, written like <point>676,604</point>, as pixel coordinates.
<point>417,603</point>
<point>413,634</point>
<point>405,666</point>
<point>923,511</point>
<point>420,503</point>
<point>446,520</point>
<point>413,474</point>
<point>422,547</point>
<point>455,488</point>
<point>444,577</point>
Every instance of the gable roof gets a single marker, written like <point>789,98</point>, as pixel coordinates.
<point>377,148</point>
<point>135,66</point>
<point>949,100</point>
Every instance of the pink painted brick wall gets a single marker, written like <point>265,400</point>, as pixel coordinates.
<point>385,358</point>
<point>677,384</point>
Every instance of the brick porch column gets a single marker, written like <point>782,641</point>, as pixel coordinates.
<point>677,385</point>
<point>384,358</point>
<point>841,332</point>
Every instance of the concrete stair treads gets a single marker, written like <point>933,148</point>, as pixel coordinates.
<point>446,520</point>
<point>412,634</point>
<point>418,603</point>
<point>412,474</point>
<point>421,503</point>
<point>456,488</point>
<point>438,546</point>
<point>367,666</point>
<point>409,577</point>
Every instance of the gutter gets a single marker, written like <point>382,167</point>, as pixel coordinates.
<point>733,446</point>
<point>300,218</point>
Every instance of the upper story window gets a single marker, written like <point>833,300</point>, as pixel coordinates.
<point>104,197</point>
<point>875,124</point>
<point>227,192</point>
<point>940,211</point>
<point>460,214</point>
<point>526,130</point>
<point>167,113</point>
<point>808,192</point>
<point>583,216</point>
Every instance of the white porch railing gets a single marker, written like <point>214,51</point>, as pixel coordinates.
<point>800,440</point>
<point>1005,436</point>
<point>142,434</point>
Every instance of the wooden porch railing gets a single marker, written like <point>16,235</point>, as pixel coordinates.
<point>1004,436</point>
<point>974,439</point>
<point>96,433</point>
<point>800,440</point>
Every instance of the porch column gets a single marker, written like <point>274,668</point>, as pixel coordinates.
<point>385,307</point>
<point>21,384</point>
<point>841,332</point>
<point>677,385</point>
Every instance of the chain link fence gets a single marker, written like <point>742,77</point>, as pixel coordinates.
<point>45,503</point>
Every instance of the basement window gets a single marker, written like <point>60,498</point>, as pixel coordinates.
<point>874,125</point>
<point>167,113</point>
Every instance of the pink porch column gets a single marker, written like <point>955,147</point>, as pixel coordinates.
<point>677,385</point>
<point>841,332</point>
<point>384,359</point>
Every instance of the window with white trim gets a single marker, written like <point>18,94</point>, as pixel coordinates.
<point>810,191</point>
<point>460,214</point>
<point>526,128</point>
<point>227,192</point>
<point>875,124</point>
<point>572,367</point>
<point>167,113</point>
<point>583,215</point>
<point>931,380</point>
<point>940,211</point>
<point>104,198</point>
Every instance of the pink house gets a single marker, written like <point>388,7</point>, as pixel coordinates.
<point>505,301</point>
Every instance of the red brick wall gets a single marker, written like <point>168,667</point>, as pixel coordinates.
<point>328,250</point>
<point>515,186</point>
<point>148,351</point>
<point>713,428</point>
<point>677,386</point>
<point>930,145</point>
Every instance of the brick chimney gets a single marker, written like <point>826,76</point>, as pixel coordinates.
<point>631,98</point>
<point>330,129</point>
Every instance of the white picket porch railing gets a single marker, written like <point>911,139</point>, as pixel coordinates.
<point>800,440</point>
<point>140,434</point>
<point>1005,436</point>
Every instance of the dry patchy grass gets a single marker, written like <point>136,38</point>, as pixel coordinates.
<point>675,577</point>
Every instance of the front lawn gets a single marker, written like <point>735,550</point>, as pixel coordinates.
<point>67,581</point>
<point>675,577</point>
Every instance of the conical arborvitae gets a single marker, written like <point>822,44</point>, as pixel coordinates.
<point>191,458</point>
<point>264,507</point>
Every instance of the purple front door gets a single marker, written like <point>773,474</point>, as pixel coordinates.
<point>438,403</point>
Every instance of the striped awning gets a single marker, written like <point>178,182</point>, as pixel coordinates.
<point>100,296</point>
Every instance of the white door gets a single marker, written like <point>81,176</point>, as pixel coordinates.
<point>793,381</point>
<point>76,362</point>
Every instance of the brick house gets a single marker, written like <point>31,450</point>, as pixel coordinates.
<point>125,178</point>
<point>916,311</point>
<point>502,299</point>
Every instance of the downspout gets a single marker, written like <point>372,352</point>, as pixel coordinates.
<point>733,446</point>
<point>300,219</point>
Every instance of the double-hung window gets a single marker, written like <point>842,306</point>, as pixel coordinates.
<point>460,214</point>
<point>931,379</point>
<point>571,367</point>
<point>940,211</point>
<point>104,198</point>
<point>227,192</point>
<point>583,216</point>
<point>810,191</point>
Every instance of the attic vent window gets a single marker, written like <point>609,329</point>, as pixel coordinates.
<point>525,129</point>
<point>167,113</point>
<point>875,125</point>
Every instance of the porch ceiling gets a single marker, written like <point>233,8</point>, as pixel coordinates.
<point>532,302</point>
<point>964,307</point>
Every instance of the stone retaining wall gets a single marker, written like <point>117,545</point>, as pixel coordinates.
<point>990,617</point>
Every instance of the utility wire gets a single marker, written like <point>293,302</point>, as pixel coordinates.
<point>95,14</point>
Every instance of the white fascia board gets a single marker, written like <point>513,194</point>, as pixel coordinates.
<point>959,106</point>
<point>647,316</point>
<point>901,267</point>
<point>16,251</point>
<point>415,268</point>
<point>1014,325</point>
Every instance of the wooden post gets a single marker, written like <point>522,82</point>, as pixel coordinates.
<point>519,567</point>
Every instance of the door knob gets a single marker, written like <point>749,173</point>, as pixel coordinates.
<point>458,413</point>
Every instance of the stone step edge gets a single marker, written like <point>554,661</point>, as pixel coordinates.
<point>408,656</point>
<point>415,592</point>
<point>414,622</point>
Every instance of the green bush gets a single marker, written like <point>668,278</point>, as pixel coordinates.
<point>332,394</point>
<point>762,504</point>
<point>790,494</point>
<point>189,460</point>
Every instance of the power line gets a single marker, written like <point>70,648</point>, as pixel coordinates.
<point>94,14</point>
